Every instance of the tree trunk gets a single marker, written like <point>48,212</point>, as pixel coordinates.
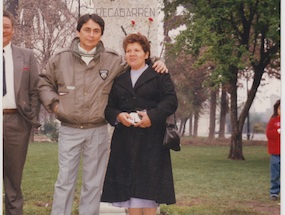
<point>213,103</point>
<point>182,126</point>
<point>13,6</point>
<point>236,152</point>
<point>196,119</point>
<point>223,113</point>
<point>191,125</point>
<point>236,138</point>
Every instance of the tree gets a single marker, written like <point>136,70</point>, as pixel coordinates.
<point>187,77</point>
<point>192,69</point>
<point>213,105</point>
<point>223,112</point>
<point>237,34</point>
<point>188,80</point>
<point>45,27</point>
<point>12,6</point>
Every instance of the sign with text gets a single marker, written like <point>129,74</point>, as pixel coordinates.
<point>123,17</point>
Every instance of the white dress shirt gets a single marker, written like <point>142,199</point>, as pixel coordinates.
<point>9,101</point>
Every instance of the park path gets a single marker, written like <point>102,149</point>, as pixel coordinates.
<point>108,209</point>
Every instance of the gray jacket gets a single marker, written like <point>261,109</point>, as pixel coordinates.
<point>80,90</point>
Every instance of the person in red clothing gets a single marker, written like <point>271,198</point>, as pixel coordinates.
<point>273,136</point>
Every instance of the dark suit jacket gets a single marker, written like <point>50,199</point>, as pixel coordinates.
<point>25,84</point>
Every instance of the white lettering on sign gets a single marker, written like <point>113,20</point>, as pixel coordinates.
<point>126,12</point>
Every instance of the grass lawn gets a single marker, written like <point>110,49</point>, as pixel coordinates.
<point>206,182</point>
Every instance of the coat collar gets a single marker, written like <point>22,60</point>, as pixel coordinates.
<point>74,48</point>
<point>125,79</point>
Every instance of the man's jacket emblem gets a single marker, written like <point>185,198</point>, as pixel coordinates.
<point>104,73</point>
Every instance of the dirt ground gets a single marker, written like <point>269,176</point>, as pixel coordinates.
<point>271,208</point>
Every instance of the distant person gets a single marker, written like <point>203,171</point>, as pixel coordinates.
<point>273,136</point>
<point>20,104</point>
<point>139,173</point>
<point>75,86</point>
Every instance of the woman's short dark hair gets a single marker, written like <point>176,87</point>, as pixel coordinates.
<point>9,16</point>
<point>85,18</point>
<point>137,38</point>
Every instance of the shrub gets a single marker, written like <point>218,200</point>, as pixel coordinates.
<point>51,130</point>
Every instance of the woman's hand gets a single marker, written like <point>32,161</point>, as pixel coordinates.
<point>145,120</point>
<point>126,119</point>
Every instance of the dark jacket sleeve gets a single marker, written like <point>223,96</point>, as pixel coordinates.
<point>111,111</point>
<point>168,102</point>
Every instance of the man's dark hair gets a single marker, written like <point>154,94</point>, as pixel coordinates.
<point>85,18</point>
<point>10,16</point>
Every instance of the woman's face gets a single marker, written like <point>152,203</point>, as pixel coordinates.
<point>135,56</point>
<point>278,110</point>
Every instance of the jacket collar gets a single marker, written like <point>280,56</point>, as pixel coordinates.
<point>74,48</point>
<point>125,79</point>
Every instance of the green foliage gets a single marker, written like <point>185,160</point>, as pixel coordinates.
<point>259,127</point>
<point>51,130</point>
<point>258,122</point>
<point>231,30</point>
<point>233,36</point>
<point>188,81</point>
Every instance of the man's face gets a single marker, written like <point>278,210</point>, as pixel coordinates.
<point>8,31</point>
<point>89,35</point>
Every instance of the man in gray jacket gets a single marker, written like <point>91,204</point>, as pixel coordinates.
<point>75,85</point>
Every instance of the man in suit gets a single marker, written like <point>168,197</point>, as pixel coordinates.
<point>20,113</point>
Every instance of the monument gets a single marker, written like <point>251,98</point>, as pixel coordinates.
<point>123,17</point>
